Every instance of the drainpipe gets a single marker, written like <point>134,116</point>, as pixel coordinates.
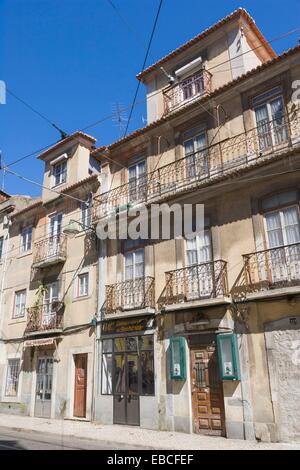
<point>5,245</point>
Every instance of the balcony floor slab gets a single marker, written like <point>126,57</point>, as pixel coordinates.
<point>129,313</point>
<point>274,293</point>
<point>197,304</point>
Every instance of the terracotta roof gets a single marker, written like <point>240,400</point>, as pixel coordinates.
<point>239,12</point>
<point>67,139</point>
<point>34,205</point>
<point>79,183</point>
<point>218,91</point>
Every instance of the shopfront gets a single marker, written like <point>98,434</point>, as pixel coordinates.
<point>127,367</point>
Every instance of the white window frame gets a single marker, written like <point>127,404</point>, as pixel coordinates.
<point>282,224</point>
<point>27,233</point>
<point>22,292</point>
<point>81,276</point>
<point>18,381</point>
<point>60,174</point>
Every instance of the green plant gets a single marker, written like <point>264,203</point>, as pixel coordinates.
<point>39,294</point>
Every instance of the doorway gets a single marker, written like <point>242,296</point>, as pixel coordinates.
<point>207,391</point>
<point>44,382</point>
<point>126,393</point>
<point>80,385</point>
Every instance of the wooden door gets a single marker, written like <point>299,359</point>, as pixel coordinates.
<point>80,385</point>
<point>207,393</point>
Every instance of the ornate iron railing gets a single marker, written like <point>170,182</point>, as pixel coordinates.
<point>130,295</point>
<point>201,281</point>
<point>45,317</point>
<point>273,268</point>
<point>187,90</point>
<point>215,160</point>
<point>50,249</point>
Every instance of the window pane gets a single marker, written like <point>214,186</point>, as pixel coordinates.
<point>107,345</point>
<point>131,344</point>
<point>146,342</point>
<point>119,373</point>
<point>147,361</point>
<point>106,374</point>
<point>132,370</point>
<point>119,344</point>
<point>12,379</point>
<point>274,229</point>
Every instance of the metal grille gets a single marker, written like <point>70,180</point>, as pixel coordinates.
<point>129,295</point>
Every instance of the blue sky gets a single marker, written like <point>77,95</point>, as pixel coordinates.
<point>74,59</point>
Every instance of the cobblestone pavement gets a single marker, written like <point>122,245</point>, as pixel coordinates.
<point>134,437</point>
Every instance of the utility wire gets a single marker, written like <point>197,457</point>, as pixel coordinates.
<point>100,121</point>
<point>63,134</point>
<point>144,63</point>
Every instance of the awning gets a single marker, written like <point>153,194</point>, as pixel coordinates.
<point>38,342</point>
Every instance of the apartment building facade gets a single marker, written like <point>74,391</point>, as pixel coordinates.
<point>201,336</point>
<point>184,335</point>
<point>49,295</point>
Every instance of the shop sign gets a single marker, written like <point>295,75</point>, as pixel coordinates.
<point>127,325</point>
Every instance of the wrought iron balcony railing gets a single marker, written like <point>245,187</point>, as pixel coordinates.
<point>45,317</point>
<point>273,268</point>
<point>50,250</point>
<point>201,281</point>
<point>134,294</point>
<point>187,90</point>
<point>215,160</point>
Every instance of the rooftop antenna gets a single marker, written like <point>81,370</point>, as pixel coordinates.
<point>119,117</point>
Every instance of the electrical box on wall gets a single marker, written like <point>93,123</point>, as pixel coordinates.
<point>177,358</point>
<point>228,356</point>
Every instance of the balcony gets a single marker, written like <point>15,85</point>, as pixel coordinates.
<point>202,284</point>
<point>50,251</point>
<point>186,91</point>
<point>211,163</point>
<point>133,295</point>
<point>45,318</point>
<point>276,270</point>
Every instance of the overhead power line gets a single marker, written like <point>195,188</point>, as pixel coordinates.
<point>143,66</point>
<point>106,118</point>
<point>63,134</point>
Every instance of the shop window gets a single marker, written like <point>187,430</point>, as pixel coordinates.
<point>128,362</point>
<point>12,378</point>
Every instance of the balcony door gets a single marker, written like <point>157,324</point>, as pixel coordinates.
<point>134,278</point>
<point>196,163</point>
<point>271,124</point>
<point>199,276</point>
<point>50,310</point>
<point>137,188</point>
<point>55,230</point>
<point>283,238</point>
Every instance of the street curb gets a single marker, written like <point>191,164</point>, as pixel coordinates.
<point>100,441</point>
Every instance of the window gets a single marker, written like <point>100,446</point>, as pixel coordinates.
<point>192,86</point>
<point>1,247</point>
<point>26,239</point>
<point>195,156</point>
<point>20,303</point>
<point>283,227</point>
<point>12,378</point>
<point>55,225</point>
<point>59,173</point>
<point>128,365</point>
<point>198,278</point>
<point>86,212</point>
<point>83,284</point>
<point>134,264</point>
<point>137,181</point>
<point>270,119</point>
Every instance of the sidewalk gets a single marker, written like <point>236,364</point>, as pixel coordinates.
<point>133,436</point>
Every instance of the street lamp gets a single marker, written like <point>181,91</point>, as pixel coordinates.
<point>72,228</point>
